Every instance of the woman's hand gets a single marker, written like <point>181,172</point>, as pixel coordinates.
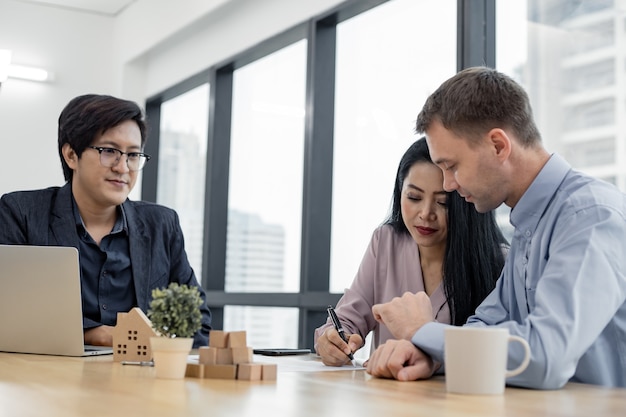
<point>333,350</point>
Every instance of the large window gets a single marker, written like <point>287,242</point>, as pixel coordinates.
<point>266,327</point>
<point>287,164</point>
<point>305,131</point>
<point>386,69</point>
<point>265,181</point>
<point>565,53</point>
<point>265,190</point>
<point>182,156</point>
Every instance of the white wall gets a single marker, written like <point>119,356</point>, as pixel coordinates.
<point>150,46</point>
<point>77,48</point>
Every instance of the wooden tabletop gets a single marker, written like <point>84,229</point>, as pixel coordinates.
<point>36,385</point>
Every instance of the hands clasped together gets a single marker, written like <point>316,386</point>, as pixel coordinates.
<point>398,359</point>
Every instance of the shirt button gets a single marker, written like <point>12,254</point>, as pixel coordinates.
<point>104,306</point>
<point>528,233</point>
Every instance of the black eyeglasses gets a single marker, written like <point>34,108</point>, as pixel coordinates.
<point>110,157</point>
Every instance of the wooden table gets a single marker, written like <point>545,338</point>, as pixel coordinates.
<point>34,385</point>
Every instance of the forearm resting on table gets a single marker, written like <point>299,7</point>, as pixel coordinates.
<point>99,336</point>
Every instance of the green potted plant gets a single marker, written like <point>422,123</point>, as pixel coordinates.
<point>175,316</point>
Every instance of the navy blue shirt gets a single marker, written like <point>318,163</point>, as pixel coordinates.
<point>106,277</point>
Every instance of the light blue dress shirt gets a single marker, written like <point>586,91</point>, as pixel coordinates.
<point>563,287</point>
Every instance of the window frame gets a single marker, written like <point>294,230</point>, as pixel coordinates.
<point>475,46</point>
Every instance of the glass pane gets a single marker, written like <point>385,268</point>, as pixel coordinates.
<point>266,167</point>
<point>387,65</point>
<point>266,327</point>
<point>569,56</point>
<point>182,163</point>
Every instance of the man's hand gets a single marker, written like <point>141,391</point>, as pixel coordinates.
<point>405,315</point>
<point>401,360</point>
<point>333,350</point>
<point>99,336</point>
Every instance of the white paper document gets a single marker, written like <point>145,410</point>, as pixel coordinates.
<point>305,363</point>
<point>299,363</point>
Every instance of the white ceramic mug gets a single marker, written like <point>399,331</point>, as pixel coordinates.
<point>476,359</point>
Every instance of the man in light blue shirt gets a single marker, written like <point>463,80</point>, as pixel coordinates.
<point>563,287</point>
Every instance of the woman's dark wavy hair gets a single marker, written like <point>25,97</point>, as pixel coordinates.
<point>473,258</point>
<point>90,115</point>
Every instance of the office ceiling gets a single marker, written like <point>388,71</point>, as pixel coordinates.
<point>102,7</point>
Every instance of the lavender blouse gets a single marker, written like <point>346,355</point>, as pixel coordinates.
<point>390,267</point>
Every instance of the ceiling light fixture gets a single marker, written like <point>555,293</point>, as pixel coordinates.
<point>5,61</point>
<point>29,73</point>
<point>8,70</point>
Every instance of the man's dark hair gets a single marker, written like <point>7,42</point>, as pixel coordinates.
<point>87,116</point>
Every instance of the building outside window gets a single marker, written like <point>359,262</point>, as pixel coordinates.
<point>265,192</point>
<point>386,68</point>
<point>182,160</point>
<point>569,55</point>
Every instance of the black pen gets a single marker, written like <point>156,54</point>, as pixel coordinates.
<point>339,328</point>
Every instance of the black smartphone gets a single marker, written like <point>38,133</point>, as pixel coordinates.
<point>281,351</point>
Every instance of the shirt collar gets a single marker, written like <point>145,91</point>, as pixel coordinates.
<point>120,225</point>
<point>528,210</point>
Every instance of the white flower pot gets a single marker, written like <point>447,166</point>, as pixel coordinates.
<point>170,356</point>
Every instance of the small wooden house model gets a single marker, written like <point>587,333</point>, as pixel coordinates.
<point>131,336</point>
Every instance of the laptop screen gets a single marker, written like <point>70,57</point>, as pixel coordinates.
<point>40,300</point>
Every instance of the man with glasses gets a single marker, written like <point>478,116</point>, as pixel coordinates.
<point>127,248</point>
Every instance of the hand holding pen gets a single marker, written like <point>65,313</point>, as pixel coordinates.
<point>339,328</point>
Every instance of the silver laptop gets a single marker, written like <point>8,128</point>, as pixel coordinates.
<point>40,302</point>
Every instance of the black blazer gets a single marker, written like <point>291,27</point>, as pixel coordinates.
<point>157,254</point>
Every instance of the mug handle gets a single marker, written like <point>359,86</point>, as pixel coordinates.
<point>524,364</point>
